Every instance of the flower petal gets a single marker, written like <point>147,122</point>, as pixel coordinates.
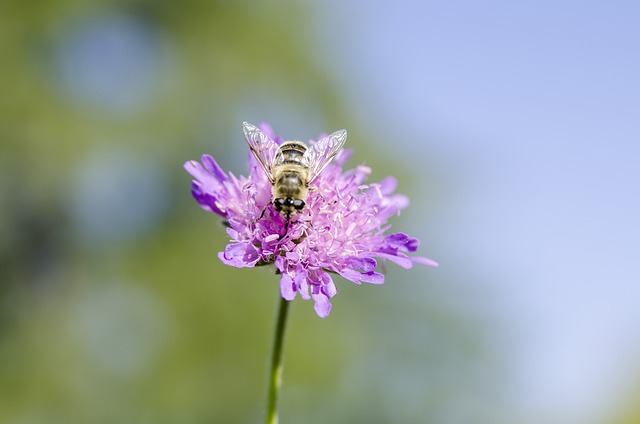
<point>327,287</point>
<point>388,185</point>
<point>350,275</point>
<point>212,166</point>
<point>301,280</point>
<point>287,287</point>
<point>370,277</point>
<point>322,305</point>
<point>402,241</point>
<point>399,259</point>
<point>240,255</point>
<point>343,156</point>
<point>206,200</point>
<point>364,264</point>
<point>424,261</point>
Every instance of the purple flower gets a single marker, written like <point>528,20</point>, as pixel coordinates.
<point>341,229</point>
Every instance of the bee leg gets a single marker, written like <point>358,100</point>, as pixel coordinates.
<point>263,211</point>
<point>261,215</point>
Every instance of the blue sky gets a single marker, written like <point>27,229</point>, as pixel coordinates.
<point>528,113</point>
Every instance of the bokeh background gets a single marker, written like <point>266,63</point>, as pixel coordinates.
<point>512,126</point>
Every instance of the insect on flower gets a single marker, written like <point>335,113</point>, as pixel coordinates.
<point>293,166</point>
<point>345,219</point>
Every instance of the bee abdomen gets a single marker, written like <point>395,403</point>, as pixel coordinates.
<point>291,153</point>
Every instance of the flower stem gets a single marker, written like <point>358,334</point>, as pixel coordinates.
<point>275,375</point>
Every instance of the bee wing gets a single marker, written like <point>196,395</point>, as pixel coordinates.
<point>262,147</point>
<point>319,155</point>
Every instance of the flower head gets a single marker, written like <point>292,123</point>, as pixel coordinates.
<point>341,229</point>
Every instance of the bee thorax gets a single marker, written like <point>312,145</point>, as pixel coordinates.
<point>289,184</point>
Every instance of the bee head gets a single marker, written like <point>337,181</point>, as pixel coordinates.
<point>288,205</point>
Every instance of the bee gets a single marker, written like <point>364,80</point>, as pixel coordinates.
<point>293,166</point>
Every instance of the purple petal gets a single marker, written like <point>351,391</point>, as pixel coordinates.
<point>343,156</point>
<point>399,201</point>
<point>205,200</point>
<point>239,255</point>
<point>424,261</point>
<point>398,259</point>
<point>328,288</point>
<point>370,277</point>
<point>363,264</point>
<point>402,241</point>
<point>302,282</point>
<point>287,287</point>
<point>196,170</point>
<point>350,275</point>
<point>212,166</point>
<point>280,264</point>
<point>322,305</point>
<point>388,185</point>
<point>292,257</point>
<point>300,278</point>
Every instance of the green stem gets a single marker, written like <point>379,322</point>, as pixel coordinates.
<point>275,375</point>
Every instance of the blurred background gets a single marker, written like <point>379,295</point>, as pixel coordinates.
<point>512,126</point>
